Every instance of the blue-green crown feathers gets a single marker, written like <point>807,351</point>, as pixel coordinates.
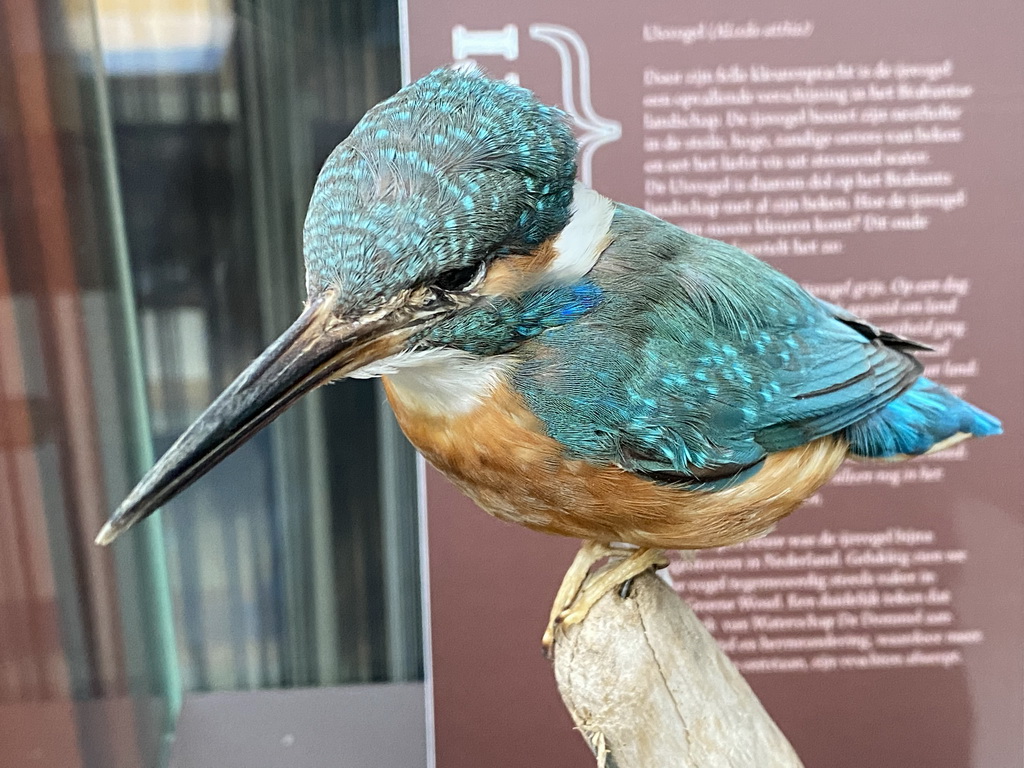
<point>453,168</point>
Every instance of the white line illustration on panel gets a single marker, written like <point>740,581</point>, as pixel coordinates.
<point>595,131</point>
<point>502,42</point>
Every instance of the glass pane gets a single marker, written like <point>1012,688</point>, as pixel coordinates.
<point>294,562</point>
<point>87,663</point>
<point>161,154</point>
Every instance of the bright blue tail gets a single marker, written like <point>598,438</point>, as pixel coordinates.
<point>917,421</point>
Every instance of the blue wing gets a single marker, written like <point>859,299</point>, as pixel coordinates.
<point>702,360</point>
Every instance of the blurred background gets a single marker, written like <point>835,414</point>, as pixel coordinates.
<point>156,158</point>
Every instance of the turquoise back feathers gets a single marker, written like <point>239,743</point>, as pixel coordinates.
<point>700,361</point>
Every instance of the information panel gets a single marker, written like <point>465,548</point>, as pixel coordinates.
<point>875,152</point>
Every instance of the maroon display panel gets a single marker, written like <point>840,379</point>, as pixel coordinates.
<point>875,152</point>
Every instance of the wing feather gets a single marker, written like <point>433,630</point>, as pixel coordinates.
<point>702,360</point>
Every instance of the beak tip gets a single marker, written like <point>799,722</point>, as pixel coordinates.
<point>107,534</point>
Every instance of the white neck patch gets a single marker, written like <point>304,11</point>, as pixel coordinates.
<point>440,380</point>
<point>584,238</point>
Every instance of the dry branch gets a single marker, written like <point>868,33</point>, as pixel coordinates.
<point>649,688</point>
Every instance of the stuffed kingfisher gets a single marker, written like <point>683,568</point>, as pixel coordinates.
<point>575,365</point>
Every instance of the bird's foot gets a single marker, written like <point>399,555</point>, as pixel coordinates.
<point>572,582</point>
<point>574,600</point>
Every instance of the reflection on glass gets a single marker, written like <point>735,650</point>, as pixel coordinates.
<point>221,123</point>
<point>86,653</point>
<point>160,156</point>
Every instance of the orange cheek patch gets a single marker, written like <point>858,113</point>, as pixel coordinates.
<point>513,274</point>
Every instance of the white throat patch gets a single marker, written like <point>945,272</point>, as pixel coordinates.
<point>584,238</point>
<point>440,380</point>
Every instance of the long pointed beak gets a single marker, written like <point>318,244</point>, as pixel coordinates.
<point>315,349</point>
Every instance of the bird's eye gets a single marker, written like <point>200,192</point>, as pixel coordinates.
<point>459,279</point>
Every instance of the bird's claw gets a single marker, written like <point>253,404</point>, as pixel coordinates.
<point>578,593</point>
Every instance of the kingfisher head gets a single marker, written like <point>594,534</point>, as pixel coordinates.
<point>420,235</point>
<point>453,171</point>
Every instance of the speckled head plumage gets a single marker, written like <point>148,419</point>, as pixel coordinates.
<point>450,171</point>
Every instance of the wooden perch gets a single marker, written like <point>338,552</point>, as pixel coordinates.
<point>649,688</point>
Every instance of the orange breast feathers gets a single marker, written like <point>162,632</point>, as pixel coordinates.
<point>498,453</point>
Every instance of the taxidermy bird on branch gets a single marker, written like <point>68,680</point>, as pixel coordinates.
<point>575,365</point>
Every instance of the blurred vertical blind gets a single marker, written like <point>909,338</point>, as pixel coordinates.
<point>156,157</point>
<point>87,665</point>
<point>222,117</point>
